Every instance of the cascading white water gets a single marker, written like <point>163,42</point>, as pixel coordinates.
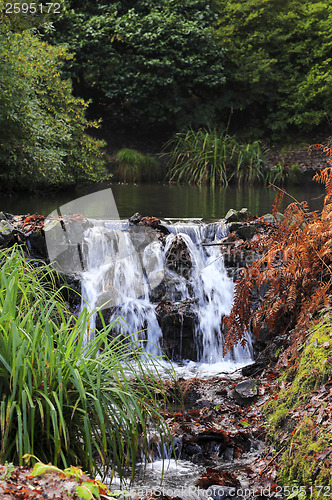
<point>129,280</point>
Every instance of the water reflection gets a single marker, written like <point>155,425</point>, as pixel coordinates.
<point>171,200</point>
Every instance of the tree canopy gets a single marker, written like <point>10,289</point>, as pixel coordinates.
<point>278,62</point>
<point>150,61</point>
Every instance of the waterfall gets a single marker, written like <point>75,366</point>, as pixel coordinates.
<point>168,288</point>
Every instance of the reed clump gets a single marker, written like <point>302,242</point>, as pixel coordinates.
<point>133,166</point>
<point>211,157</point>
<point>65,399</point>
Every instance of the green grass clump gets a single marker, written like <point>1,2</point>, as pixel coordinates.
<point>210,157</point>
<point>133,166</point>
<point>281,174</point>
<point>64,399</point>
<point>304,443</point>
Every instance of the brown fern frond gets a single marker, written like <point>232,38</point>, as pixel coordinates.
<point>292,296</point>
<point>272,315</point>
<point>237,323</point>
<point>257,321</point>
<point>278,201</point>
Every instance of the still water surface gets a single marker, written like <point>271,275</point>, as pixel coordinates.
<point>163,200</point>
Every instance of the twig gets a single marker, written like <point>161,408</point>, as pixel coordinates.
<point>269,462</point>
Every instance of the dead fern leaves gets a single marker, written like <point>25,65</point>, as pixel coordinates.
<point>293,276</point>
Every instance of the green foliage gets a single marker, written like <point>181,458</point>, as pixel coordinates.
<point>63,398</point>
<point>90,489</point>
<point>134,166</point>
<point>211,157</point>
<point>278,63</point>
<point>9,469</point>
<point>150,62</point>
<point>281,174</point>
<point>294,173</point>
<point>43,139</point>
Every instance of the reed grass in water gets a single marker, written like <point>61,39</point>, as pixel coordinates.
<point>210,157</point>
<point>63,400</point>
<point>133,166</point>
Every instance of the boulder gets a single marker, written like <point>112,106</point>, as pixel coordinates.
<point>245,231</point>
<point>6,231</point>
<point>245,392</point>
<point>237,215</point>
<point>135,219</point>
<point>271,219</point>
<point>177,321</point>
<point>178,258</point>
<point>71,291</point>
<point>153,222</point>
<point>168,289</point>
<point>37,245</point>
<point>254,368</point>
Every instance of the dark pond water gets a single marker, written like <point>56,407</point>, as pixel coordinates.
<point>171,200</point>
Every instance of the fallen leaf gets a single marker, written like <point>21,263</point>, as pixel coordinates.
<point>41,469</point>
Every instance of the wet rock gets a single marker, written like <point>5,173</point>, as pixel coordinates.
<point>177,321</point>
<point>135,219</point>
<point>37,245</point>
<point>167,289</point>
<point>198,459</point>
<point>104,315</point>
<point>141,237</point>
<point>152,222</point>
<point>245,231</point>
<point>255,368</point>
<point>245,392</point>
<point>272,219</point>
<point>228,455</point>
<point>71,290</point>
<point>237,215</point>
<point>238,258</point>
<point>192,449</point>
<point>178,258</point>
<point>269,351</point>
<point>6,231</point>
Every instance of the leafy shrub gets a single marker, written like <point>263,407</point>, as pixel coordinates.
<point>134,166</point>
<point>294,173</point>
<point>206,156</point>
<point>43,127</point>
<point>277,174</point>
<point>65,399</point>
